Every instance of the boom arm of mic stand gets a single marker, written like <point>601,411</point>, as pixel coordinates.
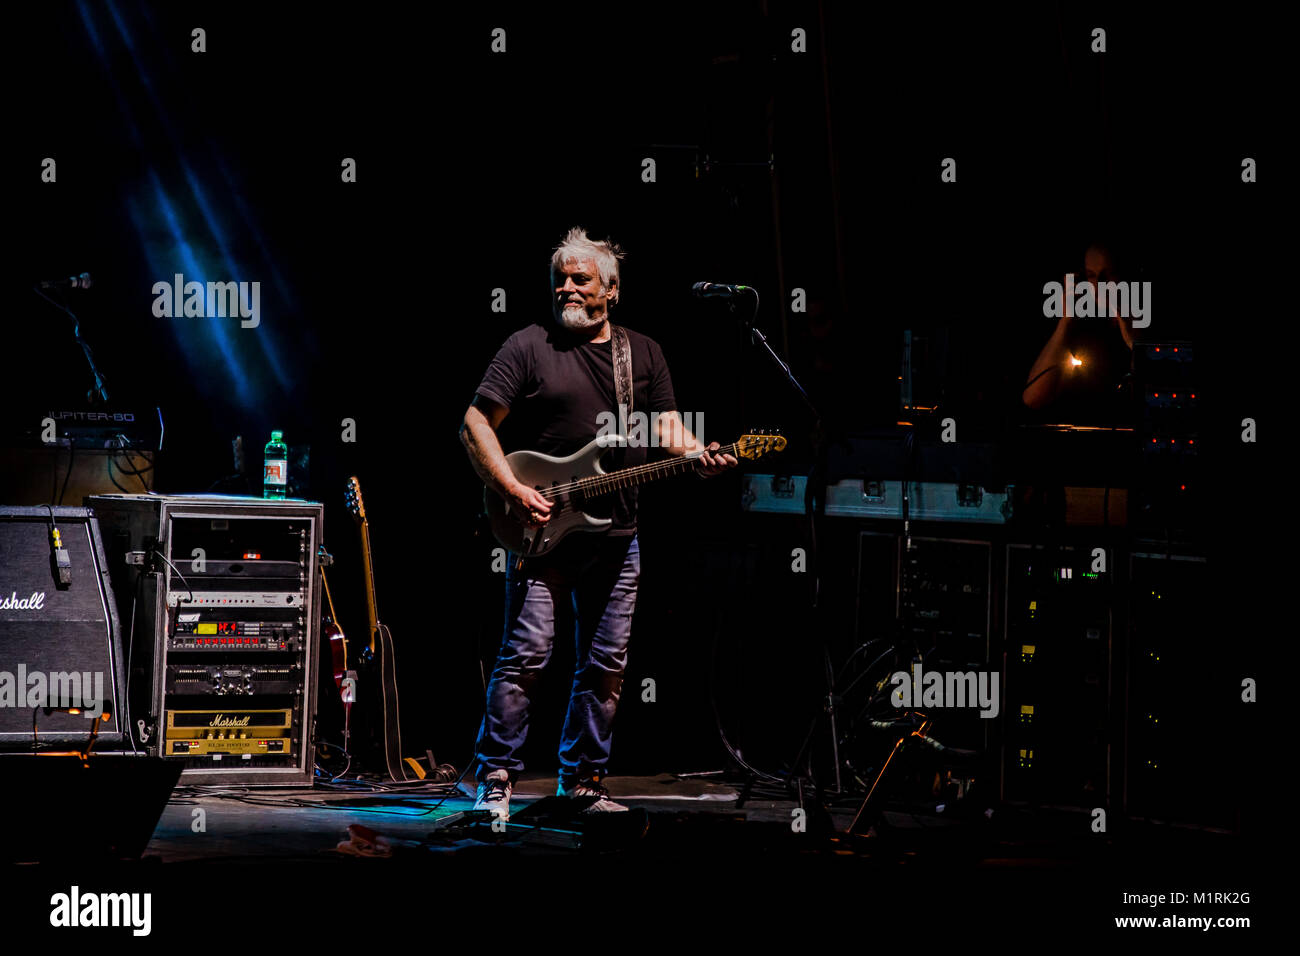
<point>760,340</point>
<point>100,391</point>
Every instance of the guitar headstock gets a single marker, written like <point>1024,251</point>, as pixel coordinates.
<point>356,506</point>
<point>755,446</point>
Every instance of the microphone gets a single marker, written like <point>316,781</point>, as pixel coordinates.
<point>82,281</point>
<point>706,290</point>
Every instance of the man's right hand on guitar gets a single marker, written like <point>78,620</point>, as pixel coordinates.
<point>528,505</point>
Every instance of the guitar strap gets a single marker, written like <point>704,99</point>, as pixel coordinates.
<point>622,368</point>
<point>622,377</point>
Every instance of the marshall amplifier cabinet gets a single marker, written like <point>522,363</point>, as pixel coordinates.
<point>61,662</point>
<point>225,596</point>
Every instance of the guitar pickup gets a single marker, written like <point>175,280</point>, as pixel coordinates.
<point>782,487</point>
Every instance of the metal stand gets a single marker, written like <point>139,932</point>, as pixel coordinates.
<point>813,500</point>
<point>99,392</point>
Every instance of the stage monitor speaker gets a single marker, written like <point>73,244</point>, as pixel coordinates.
<point>60,644</point>
<point>63,809</point>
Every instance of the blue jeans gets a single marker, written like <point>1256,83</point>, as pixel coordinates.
<point>597,575</point>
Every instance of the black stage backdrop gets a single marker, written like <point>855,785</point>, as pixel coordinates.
<point>816,171</point>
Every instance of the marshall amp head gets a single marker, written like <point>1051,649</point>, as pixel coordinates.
<point>237,733</point>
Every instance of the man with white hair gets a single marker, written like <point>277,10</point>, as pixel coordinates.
<point>554,381</point>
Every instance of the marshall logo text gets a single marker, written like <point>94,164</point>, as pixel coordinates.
<point>14,603</point>
<point>221,720</point>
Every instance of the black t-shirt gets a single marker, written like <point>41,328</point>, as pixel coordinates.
<point>556,385</point>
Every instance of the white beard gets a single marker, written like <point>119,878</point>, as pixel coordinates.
<point>575,319</point>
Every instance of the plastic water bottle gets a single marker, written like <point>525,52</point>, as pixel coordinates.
<point>275,472</point>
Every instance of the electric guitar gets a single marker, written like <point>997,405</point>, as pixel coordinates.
<point>570,483</point>
<point>380,647</point>
<point>338,640</point>
<point>345,680</point>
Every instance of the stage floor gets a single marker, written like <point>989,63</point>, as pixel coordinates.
<point>354,857</point>
<point>244,823</point>
<point>685,818</point>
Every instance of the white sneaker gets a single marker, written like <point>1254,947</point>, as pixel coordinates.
<point>494,794</point>
<point>590,788</point>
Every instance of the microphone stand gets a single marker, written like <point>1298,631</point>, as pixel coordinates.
<point>814,502</point>
<point>99,393</point>
<point>758,338</point>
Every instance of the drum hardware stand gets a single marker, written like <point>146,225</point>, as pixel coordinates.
<point>918,734</point>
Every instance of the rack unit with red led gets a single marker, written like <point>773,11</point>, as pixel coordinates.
<point>225,598</point>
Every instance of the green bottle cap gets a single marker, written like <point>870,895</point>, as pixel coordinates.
<point>276,436</point>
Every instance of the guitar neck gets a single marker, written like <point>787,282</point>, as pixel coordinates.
<point>641,474</point>
<point>368,573</point>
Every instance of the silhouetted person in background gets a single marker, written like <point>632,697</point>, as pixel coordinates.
<point>1080,372</point>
